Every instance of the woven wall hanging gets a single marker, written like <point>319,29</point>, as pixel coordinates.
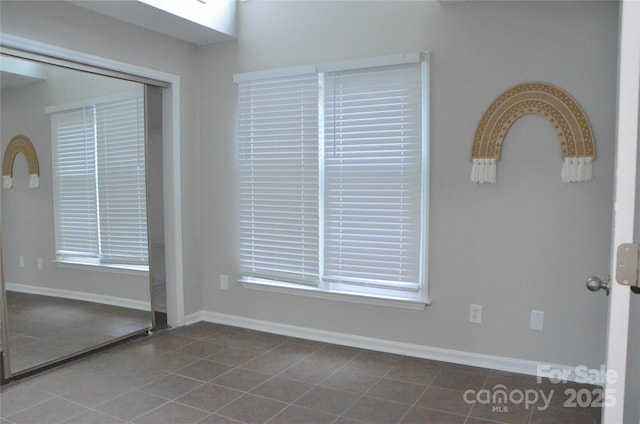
<point>20,144</point>
<point>553,104</point>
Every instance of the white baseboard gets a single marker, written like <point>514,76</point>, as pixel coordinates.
<point>501,363</point>
<point>77,295</point>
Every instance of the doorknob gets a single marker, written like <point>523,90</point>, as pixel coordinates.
<point>594,284</point>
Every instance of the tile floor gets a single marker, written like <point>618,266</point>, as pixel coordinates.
<point>208,373</point>
<point>45,328</point>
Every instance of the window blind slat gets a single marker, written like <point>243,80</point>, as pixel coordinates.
<point>366,157</point>
<point>373,171</point>
<point>74,178</point>
<point>121,181</point>
<point>99,177</point>
<point>278,193</point>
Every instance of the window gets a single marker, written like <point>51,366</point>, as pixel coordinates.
<point>99,182</point>
<point>333,178</point>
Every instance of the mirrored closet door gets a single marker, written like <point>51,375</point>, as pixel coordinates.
<point>78,149</point>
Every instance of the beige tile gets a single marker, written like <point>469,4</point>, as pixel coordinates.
<point>209,397</point>
<point>204,370</point>
<point>131,405</point>
<point>505,413</point>
<point>241,379</point>
<point>350,382</point>
<point>171,386</point>
<point>51,411</point>
<point>93,417</point>
<point>459,380</point>
<point>232,356</point>
<point>201,349</point>
<point>282,389</point>
<point>97,391</point>
<point>218,419</point>
<point>512,382</point>
<point>447,400</point>
<point>414,371</point>
<point>327,400</point>
<point>308,371</point>
<point>171,360</point>
<point>369,365</point>
<point>296,351</point>
<point>297,415</point>
<point>554,415</point>
<point>418,415</point>
<point>172,413</point>
<point>19,398</point>
<point>376,411</point>
<point>270,363</point>
<point>252,409</point>
<point>397,391</point>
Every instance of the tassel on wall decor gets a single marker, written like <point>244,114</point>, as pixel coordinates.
<point>553,104</point>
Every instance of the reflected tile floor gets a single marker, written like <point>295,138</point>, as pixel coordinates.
<point>209,373</point>
<point>45,328</point>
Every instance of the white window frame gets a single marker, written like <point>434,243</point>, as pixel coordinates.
<point>81,261</point>
<point>350,292</point>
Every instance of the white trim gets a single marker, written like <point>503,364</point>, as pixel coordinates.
<point>77,295</point>
<point>78,263</point>
<point>522,366</point>
<point>624,207</point>
<point>171,161</point>
<point>274,73</point>
<point>387,298</point>
<point>397,59</point>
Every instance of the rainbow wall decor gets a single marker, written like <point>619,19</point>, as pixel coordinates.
<point>20,144</point>
<point>553,104</point>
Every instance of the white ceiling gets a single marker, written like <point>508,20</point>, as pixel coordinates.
<point>191,27</point>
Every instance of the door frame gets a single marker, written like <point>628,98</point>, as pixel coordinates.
<point>172,180</point>
<point>623,208</point>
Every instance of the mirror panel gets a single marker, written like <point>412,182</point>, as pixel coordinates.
<point>57,307</point>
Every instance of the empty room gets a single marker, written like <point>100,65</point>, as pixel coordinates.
<point>260,211</point>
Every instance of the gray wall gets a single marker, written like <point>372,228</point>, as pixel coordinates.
<point>528,242</point>
<point>27,214</point>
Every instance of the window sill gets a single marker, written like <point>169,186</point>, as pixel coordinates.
<point>381,298</point>
<point>118,269</point>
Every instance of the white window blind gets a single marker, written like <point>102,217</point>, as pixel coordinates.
<point>75,181</point>
<point>333,168</point>
<point>99,182</point>
<point>373,176</point>
<point>121,181</point>
<point>278,190</point>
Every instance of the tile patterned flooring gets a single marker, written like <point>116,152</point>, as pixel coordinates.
<point>45,328</point>
<point>209,373</point>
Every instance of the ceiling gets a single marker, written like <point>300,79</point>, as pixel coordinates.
<point>199,22</point>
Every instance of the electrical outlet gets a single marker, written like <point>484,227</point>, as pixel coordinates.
<point>537,320</point>
<point>21,261</point>
<point>224,281</point>
<point>475,314</point>
<point>39,262</point>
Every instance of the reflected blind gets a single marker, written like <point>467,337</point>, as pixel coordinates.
<point>278,187</point>
<point>373,176</point>
<point>75,183</point>
<point>99,182</point>
<point>121,181</point>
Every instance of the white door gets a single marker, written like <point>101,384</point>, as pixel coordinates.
<point>624,207</point>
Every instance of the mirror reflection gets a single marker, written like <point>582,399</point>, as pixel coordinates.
<point>74,242</point>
